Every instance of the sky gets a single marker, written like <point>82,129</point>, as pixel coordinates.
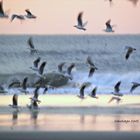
<point>59,16</point>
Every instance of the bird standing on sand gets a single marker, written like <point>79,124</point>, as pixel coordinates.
<point>80,25</point>
<point>31,46</point>
<point>35,63</point>
<point>82,88</point>
<point>129,51</point>
<point>14,101</point>
<point>109,27</point>
<point>134,86</point>
<point>29,14</point>
<point>93,93</point>
<point>2,13</point>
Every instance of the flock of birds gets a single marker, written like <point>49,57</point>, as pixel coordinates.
<point>40,69</point>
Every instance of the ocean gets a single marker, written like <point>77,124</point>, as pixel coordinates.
<point>107,52</point>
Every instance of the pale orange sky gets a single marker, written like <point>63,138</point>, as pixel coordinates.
<point>59,16</point>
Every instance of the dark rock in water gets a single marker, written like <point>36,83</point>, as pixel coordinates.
<point>56,79</point>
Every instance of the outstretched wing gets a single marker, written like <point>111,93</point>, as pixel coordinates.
<point>28,12</point>
<point>36,62</point>
<point>79,19</point>
<point>41,69</point>
<point>30,43</point>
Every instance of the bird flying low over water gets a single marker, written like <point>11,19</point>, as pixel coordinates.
<point>29,14</point>
<point>2,13</point>
<point>80,25</point>
<point>117,89</point>
<point>109,27</point>
<point>36,63</point>
<point>14,101</point>
<point>93,93</point>
<point>82,88</point>
<point>31,46</point>
<point>129,51</point>
<point>20,17</point>
<point>134,86</point>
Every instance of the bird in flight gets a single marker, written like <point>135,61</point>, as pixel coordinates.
<point>80,25</point>
<point>29,15</point>
<point>109,27</point>
<point>129,51</point>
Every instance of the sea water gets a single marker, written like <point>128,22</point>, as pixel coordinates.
<point>107,52</point>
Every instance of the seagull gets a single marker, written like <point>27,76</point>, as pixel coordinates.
<point>129,51</point>
<point>117,99</point>
<point>90,62</point>
<point>20,17</point>
<point>2,13</point>
<point>134,86</point>
<point>29,14</point>
<point>80,25</point>
<point>91,71</point>
<point>15,101</point>
<point>36,62</point>
<point>93,93</point>
<point>109,26</point>
<point>82,88</point>
<point>41,68</point>
<point>15,84</point>
<point>34,99</point>
<point>60,67</point>
<point>31,45</point>
<point>117,89</point>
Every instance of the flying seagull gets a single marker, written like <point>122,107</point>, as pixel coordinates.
<point>80,24</point>
<point>129,51</point>
<point>2,13</point>
<point>20,17</point>
<point>93,93</point>
<point>109,27</point>
<point>82,88</point>
<point>60,67</point>
<point>24,85</point>
<point>35,63</point>
<point>14,101</point>
<point>31,46</point>
<point>117,89</point>
<point>29,14</point>
<point>134,86</point>
<point>34,99</point>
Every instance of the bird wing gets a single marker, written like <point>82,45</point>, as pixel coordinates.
<point>79,19</point>
<point>89,61</point>
<point>36,62</point>
<point>28,12</point>
<point>13,17</point>
<point>129,51</point>
<point>93,92</point>
<point>30,43</point>
<point>108,24</point>
<point>41,69</point>
<point>91,71</point>
<point>70,68</point>
<point>36,92</point>
<point>60,67</point>
<point>1,7</point>
<point>14,83</point>
<point>24,84</point>
<point>117,86</point>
